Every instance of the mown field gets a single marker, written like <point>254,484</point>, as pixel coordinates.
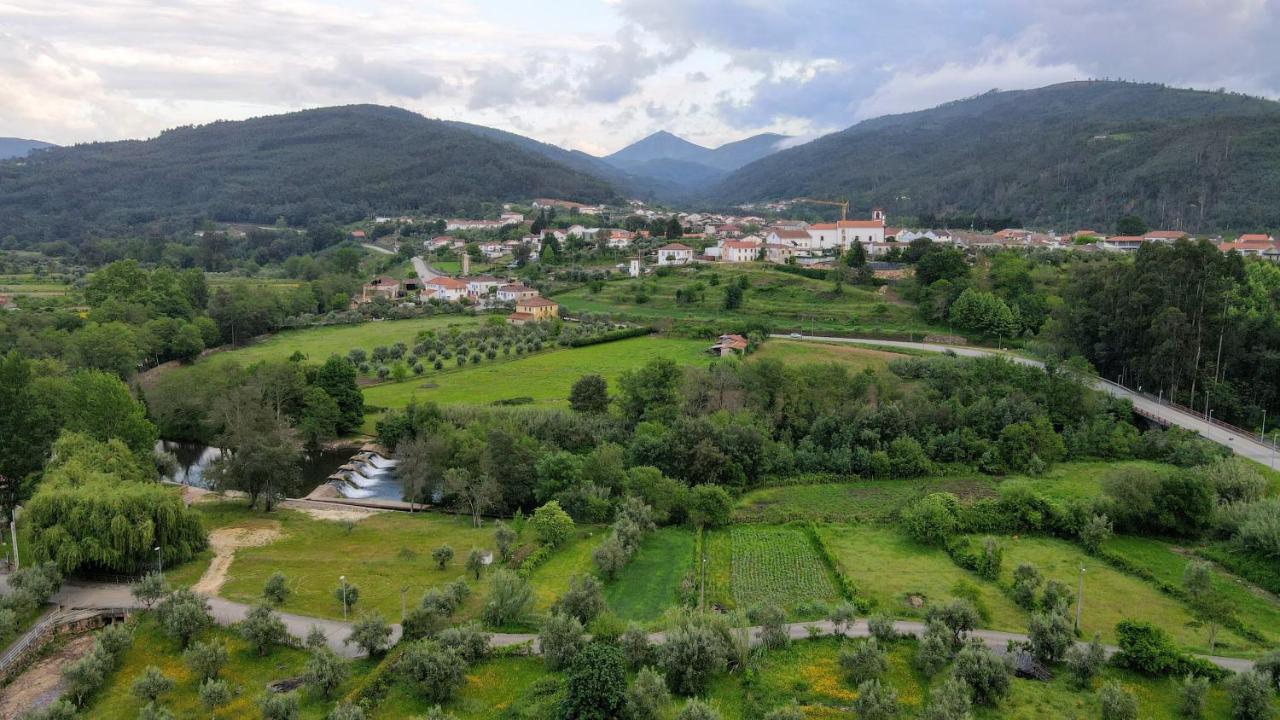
<point>650,583</point>
<point>30,284</point>
<point>777,298</point>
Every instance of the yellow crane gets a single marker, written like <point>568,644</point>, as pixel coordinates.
<point>842,204</point>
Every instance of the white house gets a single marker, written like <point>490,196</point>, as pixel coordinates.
<point>492,250</point>
<point>675,254</point>
<point>445,288</point>
<point>798,238</point>
<point>515,292</point>
<point>620,239</point>
<point>481,285</point>
<point>736,251</point>
<point>842,234</point>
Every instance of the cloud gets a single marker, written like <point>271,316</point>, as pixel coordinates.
<point>399,79</point>
<point>616,69</point>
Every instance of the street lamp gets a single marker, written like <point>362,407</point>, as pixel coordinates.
<point>343,579</point>
<point>159,560</point>
<point>1079,598</point>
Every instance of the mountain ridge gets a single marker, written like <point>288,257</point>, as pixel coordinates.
<point>16,147</point>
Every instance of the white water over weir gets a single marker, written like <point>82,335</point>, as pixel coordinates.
<point>367,475</point>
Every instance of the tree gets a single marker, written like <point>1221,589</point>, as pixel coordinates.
<point>942,264</point>
<point>881,627</point>
<point>590,394</point>
<point>935,648</point>
<point>261,453</point>
<point>346,593</point>
<point>610,557</point>
<point>990,559</point>
<point>282,706</point>
<point>1026,585</point>
<point>842,617</point>
<point>584,599</point>
<point>337,377</point>
<point>949,702</point>
<point>1095,532</point>
<point>863,661</point>
<point>349,711</point>
<point>1050,634</point>
<point>983,671</point>
<point>433,671</point>
<point>1117,704</point>
<point>213,695</point>
<point>149,589</point>
<point>1085,661</point>
<point>276,589</point>
<point>710,506</point>
<point>320,419</point>
<point>1197,580</point>
<point>595,685</point>
<point>636,650</point>
<point>958,616</point>
<point>1191,696</point>
<point>152,711</point>
<point>647,696</point>
<point>650,392</point>
<point>469,641</point>
<point>183,614</point>
<point>1251,693</point>
<point>551,524</point>
<point>732,297</point>
<point>692,654</point>
<point>443,555</point>
<point>697,710</point>
<point>85,675</point>
<point>509,599</point>
<point>262,628</point>
<point>475,562</point>
<point>151,684</point>
<point>875,701</point>
<point>932,520</point>
<point>324,672</point>
<point>773,626</point>
<point>371,634</point>
<point>1131,225</point>
<point>471,493</point>
<point>205,659</point>
<point>560,639</point>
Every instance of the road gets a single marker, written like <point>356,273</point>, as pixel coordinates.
<point>226,612</point>
<point>375,248</point>
<point>1242,445</point>
<point>425,271</point>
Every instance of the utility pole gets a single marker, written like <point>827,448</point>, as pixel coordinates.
<point>13,532</point>
<point>343,579</point>
<point>1079,598</point>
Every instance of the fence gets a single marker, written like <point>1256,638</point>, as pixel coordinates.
<point>52,624</point>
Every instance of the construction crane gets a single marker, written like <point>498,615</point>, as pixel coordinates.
<point>842,204</point>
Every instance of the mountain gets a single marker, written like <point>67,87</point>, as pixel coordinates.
<point>341,163</point>
<point>18,147</point>
<point>675,161</point>
<point>1078,154</point>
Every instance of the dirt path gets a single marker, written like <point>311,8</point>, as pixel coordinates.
<point>224,542</point>
<point>39,685</point>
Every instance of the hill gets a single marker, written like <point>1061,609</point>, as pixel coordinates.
<point>673,161</point>
<point>11,147</point>
<point>1064,156</point>
<point>341,162</point>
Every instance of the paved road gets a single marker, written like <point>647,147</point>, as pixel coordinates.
<point>425,272</point>
<point>1244,446</point>
<point>226,612</point>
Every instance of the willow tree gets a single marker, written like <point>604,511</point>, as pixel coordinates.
<point>98,508</point>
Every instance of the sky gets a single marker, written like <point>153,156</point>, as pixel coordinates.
<point>595,75</point>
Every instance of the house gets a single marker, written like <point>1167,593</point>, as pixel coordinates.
<point>492,250</point>
<point>439,241</point>
<point>619,239</point>
<point>729,345</point>
<point>357,235</point>
<point>459,224</point>
<point>515,293</point>
<point>1123,243</point>
<point>1163,235</point>
<point>905,236</point>
<point>1012,234</point>
<point>736,251</point>
<point>7,303</point>
<point>481,286</point>
<point>446,288</point>
<point>384,286</point>
<point>1255,245</point>
<point>533,309</point>
<point>511,218</point>
<point>675,254</point>
<point>842,234</point>
<point>793,237</point>
<point>780,253</point>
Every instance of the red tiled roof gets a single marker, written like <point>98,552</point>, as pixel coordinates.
<point>516,288</point>
<point>1254,237</point>
<point>1165,234</point>
<point>739,245</point>
<point>676,246</point>
<point>788,233</point>
<point>864,224</point>
<point>1126,238</point>
<point>449,283</point>
<point>520,316</point>
<point>535,302</point>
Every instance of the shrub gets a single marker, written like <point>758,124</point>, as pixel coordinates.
<point>551,524</point>
<point>152,711</point>
<point>863,661</point>
<point>214,694</point>
<point>875,701</point>
<point>990,559</point>
<point>1050,634</point>
<point>1095,532</point>
<point>324,672</point>
<point>280,707</point>
<point>636,650</point>
<point>469,641</point>
<point>1084,662</point>
<point>842,617</point>
<point>509,599</point>
<point>882,628</point>
<point>709,506</point>
<point>561,638</point>
<point>933,519</point>
<point>371,634</point>
<point>949,702</point>
<point>433,671</point>
<point>151,684</point>
<point>1026,584</point>
<point>276,588</point>
<point>150,589</point>
<point>697,710</point>
<point>346,594</point>
<point>205,660</point>
<point>983,671</point>
<point>935,648</point>
<point>1056,595</point>
<point>584,599</point>
<point>786,712</point>
<point>1117,704</point>
<point>1251,693</point>
<point>595,685</point>
<point>647,696</point>
<point>1191,697</point>
<point>773,626</point>
<point>443,555</point>
<point>182,614</point>
<point>692,654</point>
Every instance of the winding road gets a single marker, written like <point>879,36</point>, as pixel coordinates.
<point>1231,438</point>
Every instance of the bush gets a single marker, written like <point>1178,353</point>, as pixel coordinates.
<point>1095,532</point>
<point>1026,585</point>
<point>151,684</point>
<point>1084,662</point>
<point>584,599</point>
<point>949,702</point>
<point>469,641</point>
<point>875,701</point>
<point>280,707</point>
<point>1251,694</point>
<point>1191,697</point>
<point>983,671</point>
<point>561,638</point>
<point>371,634</point>
<point>324,672</point>
<point>596,685</point>
<point>990,559</point>
<point>647,696</point>
<point>1050,634</point>
<point>1147,649</point>
<point>509,599</point>
<point>692,654</point>
<point>276,588</point>
<point>863,661</point>
<point>431,670</point>
<point>932,520</point>
<point>262,629</point>
<point>443,555</point>
<point>935,648</point>
<point>182,614</point>
<point>697,710</point>
<point>1117,704</point>
<point>710,506</point>
<point>551,524</point>
<point>882,628</point>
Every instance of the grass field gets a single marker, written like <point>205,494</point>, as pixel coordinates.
<point>856,501</point>
<point>29,284</point>
<point>247,673</point>
<point>1254,607</point>
<point>550,579</point>
<point>778,298</point>
<point>890,569</point>
<point>491,689</point>
<point>1111,596</point>
<point>857,358</point>
<point>650,583</point>
<point>546,377</point>
<point>380,555</point>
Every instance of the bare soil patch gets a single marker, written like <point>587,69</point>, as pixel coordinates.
<point>41,684</point>
<point>224,542</point>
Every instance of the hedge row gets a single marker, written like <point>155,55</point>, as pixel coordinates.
<point>844,584</point>
<point>612,335</point>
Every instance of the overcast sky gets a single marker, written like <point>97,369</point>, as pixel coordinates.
<point>596,74</point>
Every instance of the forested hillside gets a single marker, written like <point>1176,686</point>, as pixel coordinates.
<point>1064,156</point>
<point>342,163</point>
<point>11,147</point>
